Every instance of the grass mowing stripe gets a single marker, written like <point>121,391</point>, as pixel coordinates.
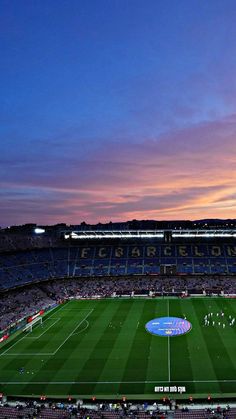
<point>181,366</point>
<point>157,368</point>
<point>78,352</point>
<point>158,354</point>
<point>44,330</point>
<point>137,360</point>
<point>232,305</point>
<point>220,358</point>
<point>50,366</point>
<point>231,330</point>
<point>85,325</point>
<point>168,342</point>
<point>115,364</point>
<point>73,332</point>
<point>228,336</point>
<point>107,341</point>
<point>200,357</point>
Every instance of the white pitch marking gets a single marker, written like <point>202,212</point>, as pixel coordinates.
<point>76,309</point>
<point>36,337</point>
<point>53,353</point>
<point>34,353</point>
<point>168,306</point>
<point>3,353</point>
<point>114,382</point>
<point>80,331</point>
<point>72,332</point>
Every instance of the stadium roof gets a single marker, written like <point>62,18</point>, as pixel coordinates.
<point>127,234</point>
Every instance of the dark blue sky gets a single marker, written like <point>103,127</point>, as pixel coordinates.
<point>112,110</point>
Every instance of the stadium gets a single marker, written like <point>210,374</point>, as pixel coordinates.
<point>119,313</point>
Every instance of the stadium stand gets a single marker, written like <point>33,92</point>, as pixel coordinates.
<point>61,410</point>
<point>22,267</point>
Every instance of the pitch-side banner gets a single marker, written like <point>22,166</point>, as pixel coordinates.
<point>4,337</point>
<point>31,318</point>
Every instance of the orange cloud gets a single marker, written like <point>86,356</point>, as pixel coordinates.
<point>189,174</point>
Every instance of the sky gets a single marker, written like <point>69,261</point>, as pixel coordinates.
<point>112,110</point>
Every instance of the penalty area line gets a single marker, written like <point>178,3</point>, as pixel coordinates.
<point>44,330</point>
<point>45,354</point>
<point>32,354</point>
<point>86,327</point>
<point>51,313</point>
<point>73,331</point>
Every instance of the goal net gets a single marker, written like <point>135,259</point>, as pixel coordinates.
<point>29,326</point>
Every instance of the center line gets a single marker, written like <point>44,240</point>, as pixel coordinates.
<point>168,307</point>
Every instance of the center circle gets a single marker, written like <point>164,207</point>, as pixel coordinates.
<point>168,326</point>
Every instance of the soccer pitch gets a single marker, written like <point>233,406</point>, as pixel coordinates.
<point>101,348</point>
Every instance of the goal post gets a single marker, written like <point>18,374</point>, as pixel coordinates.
<point>29,326</point>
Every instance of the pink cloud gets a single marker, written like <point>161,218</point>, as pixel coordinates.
<point>188,173</point>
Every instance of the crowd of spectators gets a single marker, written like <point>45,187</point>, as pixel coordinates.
<point>17,304</point>
<point>106,410</point>
<point>21,241</point>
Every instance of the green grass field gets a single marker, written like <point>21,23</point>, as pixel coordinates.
<point>101,348</point>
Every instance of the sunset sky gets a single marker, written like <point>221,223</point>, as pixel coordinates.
<point>117,109</point>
